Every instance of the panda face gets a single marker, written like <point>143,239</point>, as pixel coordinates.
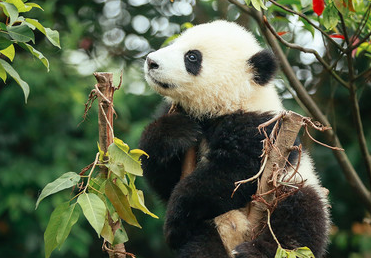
<point>214,69</point>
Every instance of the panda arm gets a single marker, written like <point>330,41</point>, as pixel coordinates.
<point>166,140</point>
<point>234,150</point>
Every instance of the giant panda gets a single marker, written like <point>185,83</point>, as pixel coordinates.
<point>221,81</point>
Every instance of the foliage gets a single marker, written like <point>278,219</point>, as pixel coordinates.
<point>104,200</point>
<point>41,141</point>
<point>302,252</point>
<point>19,30</point>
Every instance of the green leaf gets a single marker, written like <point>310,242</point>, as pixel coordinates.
<point>10,10</point>
<point>258,4</point>
<point>186,26</point>
<point>33,23</point>
<point>3,26</point>
<point>4,43</point>
<point>107,232</point>
<point>305,3</point>
<point>65,181</point>
<point>19,5</point>
<point>2,73</point>
<point>169,40</point>
<point>94,210</point>
<point>51,232</point>
<point>33,5</point>
<point>13,73</point>
<point>68,219</point>
<point>121,160</point>
<point>53,37</point>
<point>9,52</point>
<point>120,236</point>
<point>330,17</point>
<point>121,203</point>
<point>280,253</point>
<point>136,199</point>
<point>304,252</point>
<point>21,33</point>
<point>36,53</point>
<point>365,46</point>
<point>123,146</point>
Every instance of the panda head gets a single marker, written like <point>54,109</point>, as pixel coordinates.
<point>215,69</point>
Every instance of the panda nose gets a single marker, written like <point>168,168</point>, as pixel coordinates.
<point>151,64</point>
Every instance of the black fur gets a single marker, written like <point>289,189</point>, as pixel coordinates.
<point>299,220</point>
<point>265,66</point>
<point>235,146</point>
<point>193,61</point>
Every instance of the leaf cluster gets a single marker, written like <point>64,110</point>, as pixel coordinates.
<point>105,200</point>
<point>19,30</point>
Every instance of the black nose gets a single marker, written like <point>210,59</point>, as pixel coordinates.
<point>151,64</point>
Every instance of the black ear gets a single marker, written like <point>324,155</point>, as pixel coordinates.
<point>264,65</point>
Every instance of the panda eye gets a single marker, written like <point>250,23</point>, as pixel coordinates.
<point>191,57</point>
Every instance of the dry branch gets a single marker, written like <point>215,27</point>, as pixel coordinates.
<point>277,152</point>
<point>104,91</point>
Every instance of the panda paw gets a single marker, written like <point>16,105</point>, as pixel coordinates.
<point>174,131</point>
<point>247,250</point>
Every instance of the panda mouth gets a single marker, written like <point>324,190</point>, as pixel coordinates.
<point>162,84</point>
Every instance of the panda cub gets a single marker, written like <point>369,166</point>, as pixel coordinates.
<point>221,81</point>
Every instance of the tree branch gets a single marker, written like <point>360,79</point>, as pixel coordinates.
<point>310,22</point>
<point>306,50</point>
<point>105,91</point>
<point>355,106</point>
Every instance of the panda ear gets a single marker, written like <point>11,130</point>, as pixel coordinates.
<point>264,65</point>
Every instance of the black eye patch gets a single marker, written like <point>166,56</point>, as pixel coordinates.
<point>192,61</point>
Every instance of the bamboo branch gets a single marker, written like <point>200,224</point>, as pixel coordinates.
<point>348,170</point>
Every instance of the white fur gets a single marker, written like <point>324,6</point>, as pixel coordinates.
<point>225,83</point>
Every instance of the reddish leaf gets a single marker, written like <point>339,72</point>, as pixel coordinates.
<point>281,33</point>
<point>350,6</point>
<point>318,6</point>
<point>337,36</point>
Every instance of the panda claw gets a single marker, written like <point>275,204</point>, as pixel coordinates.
<point>234,253</point>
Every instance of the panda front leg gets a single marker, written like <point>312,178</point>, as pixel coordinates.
<point>194,203</point>
<point>299,220</point>
<point>166,140</point>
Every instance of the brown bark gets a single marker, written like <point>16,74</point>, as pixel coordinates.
<point>105,91</point>
<point>277,152</point>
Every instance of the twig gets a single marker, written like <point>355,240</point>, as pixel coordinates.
<point>366,72</point>
<point>108,122</point>
<point>321,143</point>
<point>306,50</point>
<point>271,230</point>
<point>310,22</point>
<point>256,176</point>
<point>101,94</point>
<point>354,46</point>
<point>91,171</point>
<point>107,249</point>
<point>355,106</point>
<point>362,24</point>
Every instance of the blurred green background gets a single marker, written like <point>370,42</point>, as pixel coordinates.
<point>45,138</point>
